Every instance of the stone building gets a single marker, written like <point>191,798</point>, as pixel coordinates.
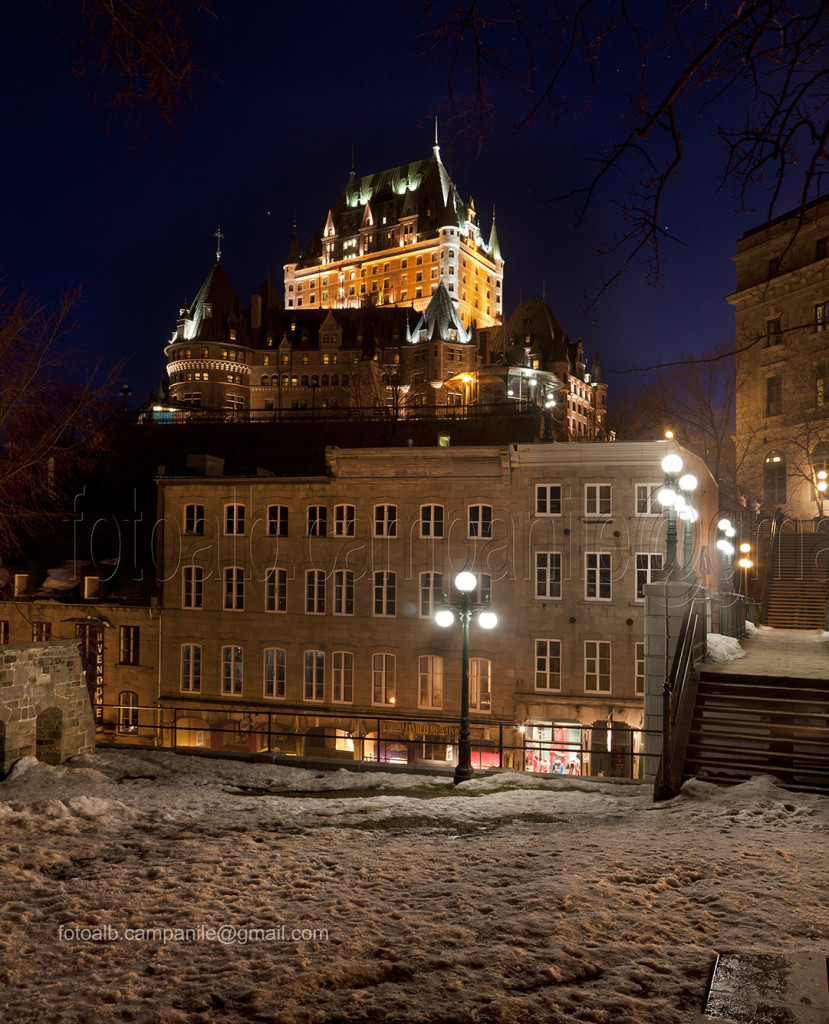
<point>299,612</point>
<point>781,303</point>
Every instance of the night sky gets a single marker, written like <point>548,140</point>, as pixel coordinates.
<point>290,93</point>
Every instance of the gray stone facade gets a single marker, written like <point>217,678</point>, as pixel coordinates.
<point>44,703</point>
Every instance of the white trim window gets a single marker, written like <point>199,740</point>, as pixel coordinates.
<point>431,521</point>
<point>385,593</point>
<point>548,664</point>
<point>234,600</point>
<point>316,521</point>
<point>234,520</point>
<point>273,676</point>
<point>276,590</point>
<point>192,587</point>
<point>483,592</point>
<point>597,569</point>
<point>480,684</point>
<point>597,499</point>
<point>129,641</point>
<point>639,667</point>
<point>548,575</point>
<point>232,663</point>
<point>383,678</point>
<point>127,711</point>
<point>385,520</point>
<point>479,522</point>
<point>597,666</point>
<point>647,501</point>
<point>548,499</point>
<point>314,591</point>
<point>342,677</point>
<point>314,675</point>
<point>430,674</point>
<point>431,593</point>
<point>343,592</point>
<point>343,520</point>
<point>191,668</point>
<point>277,520</point>
<point>648,563</point>
<point>194,520</point>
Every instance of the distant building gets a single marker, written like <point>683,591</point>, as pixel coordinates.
<point>299,612</point>
<point>390,239</point>
<point>781,304</point>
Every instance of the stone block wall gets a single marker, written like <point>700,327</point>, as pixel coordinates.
<point>44,703</point>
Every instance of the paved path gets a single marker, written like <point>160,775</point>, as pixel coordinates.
<point>793,653</point>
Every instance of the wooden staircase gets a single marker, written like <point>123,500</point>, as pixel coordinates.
<point>749,725</point>
<point>797,584</point>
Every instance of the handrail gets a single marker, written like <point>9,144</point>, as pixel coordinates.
<point>678,697</point>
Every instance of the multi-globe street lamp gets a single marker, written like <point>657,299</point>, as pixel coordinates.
<point>463,610</point>
<point>676,496</point>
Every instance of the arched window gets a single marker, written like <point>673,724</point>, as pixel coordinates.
<point>304,381</point>
<point>324,380</point>
<point>335,380</point>
<point>294,381</point>
<point>774,478</point>
<point>275,380</point>
<point>264,381</point>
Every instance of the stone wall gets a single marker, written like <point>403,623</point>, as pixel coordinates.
<point>44,703</point>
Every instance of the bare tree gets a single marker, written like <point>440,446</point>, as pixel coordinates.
<point>52,407</point>
<point>754,75</point>
<point>140,56</point>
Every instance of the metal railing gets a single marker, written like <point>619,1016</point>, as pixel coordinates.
<point>612,750</point>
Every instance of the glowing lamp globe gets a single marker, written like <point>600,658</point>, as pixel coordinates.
<point>724,524</point>
<point>466,582</point>
<point>667,496</point>
<point>672,463</point>
<point>445,617</point>
<point>487,620</point>
<point>688,482</point>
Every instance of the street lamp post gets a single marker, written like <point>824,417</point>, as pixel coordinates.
<point>676,496</point>
<point>465,583</point>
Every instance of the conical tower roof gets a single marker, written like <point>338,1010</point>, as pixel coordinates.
<point>440,319</point>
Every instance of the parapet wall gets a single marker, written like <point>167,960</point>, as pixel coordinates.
<point>45,710</point>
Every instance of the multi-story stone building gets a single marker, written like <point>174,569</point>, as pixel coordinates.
<point>781,304</point>
<point>299,612</point>
<point>390,239</point>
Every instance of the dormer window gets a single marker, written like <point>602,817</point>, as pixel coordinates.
<point>233,334</point>
<point>208,310</point>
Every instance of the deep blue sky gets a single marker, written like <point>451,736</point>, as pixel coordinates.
<point>291,92</point>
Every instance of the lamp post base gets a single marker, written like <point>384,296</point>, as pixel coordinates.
<point>462,774</point>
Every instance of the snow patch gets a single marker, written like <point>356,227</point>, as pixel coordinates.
<point>724,648</point>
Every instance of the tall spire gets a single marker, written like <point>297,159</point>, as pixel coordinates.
<point>218,236</point>
<point>293,249</point>
<point>436,147</point>
<point>494,246</point>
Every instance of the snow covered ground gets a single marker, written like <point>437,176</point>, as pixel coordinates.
<point>513,899</point>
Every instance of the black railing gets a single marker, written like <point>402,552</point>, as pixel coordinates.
<point>613,751</point>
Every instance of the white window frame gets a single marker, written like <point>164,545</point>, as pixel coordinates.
<point>313,687</point>
<point>479,522</point>
<point>127,711</point>
<point>480,684</point>
<point>598,576</point>
<point>385,520</point>
<point>274,662</point>
<point>595,653</point>
<point>342,677</point>
<point>276,590</point>
<point>383,679</point>
<point>431,521</point>
<point>190,674</point>
<point>645,499</point>
<point>598,499</point>
<point>192,587</point>
<point>430,681</point>
<point>646,563</point>
<point>315,592</point>
<point>344,520</point>
<point>316,523</point>
<point>277,520</point>
<point>129,645</point>
<point>234,520</point>
<point>194,519</point>
<point>234,589</point>
<point>545,500</point>
<point>548,575</point>
<point>548,665</point>
<point>385,593</point>
<point>232,669</point>
<point>343,592</point>
<point>430,594</point>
